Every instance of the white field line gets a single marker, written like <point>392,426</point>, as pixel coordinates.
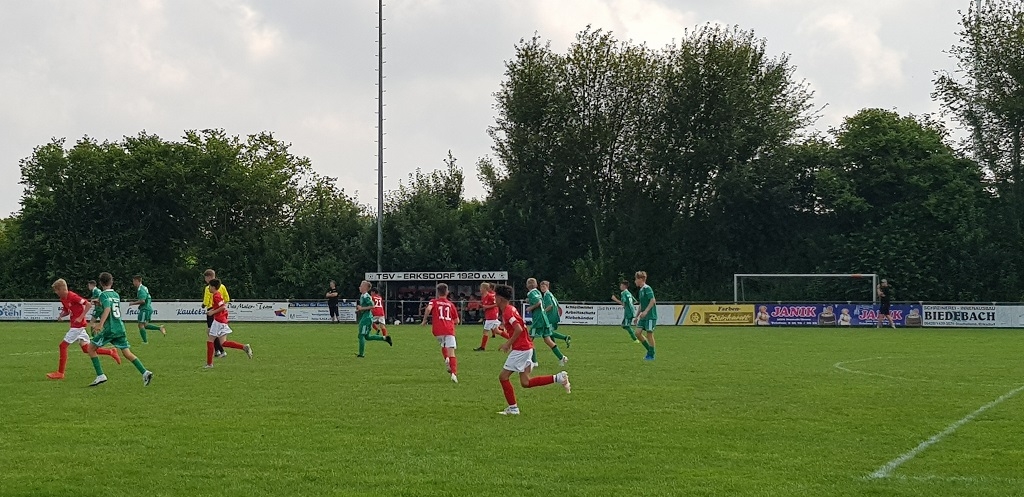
<point>886,470</point>
<point>31,353</point>
<point>842,367</point>
<point>959,479</point>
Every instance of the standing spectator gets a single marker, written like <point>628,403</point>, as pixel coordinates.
<point>332,301</point>
<point>885,295</point>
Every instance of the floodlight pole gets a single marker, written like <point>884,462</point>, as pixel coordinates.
<point>380,134</point>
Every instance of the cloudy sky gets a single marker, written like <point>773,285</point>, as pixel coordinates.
<point>306,69</point>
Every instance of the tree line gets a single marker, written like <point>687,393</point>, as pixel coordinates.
<point>693,162</point>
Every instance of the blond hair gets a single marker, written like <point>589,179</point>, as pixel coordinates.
<point>60,283</point>
<point>641,275</point>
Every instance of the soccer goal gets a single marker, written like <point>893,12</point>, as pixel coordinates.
<point>809,287</point>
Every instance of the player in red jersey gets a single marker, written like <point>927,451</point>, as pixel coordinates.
<point>380,320</point>
<point>219,328</point>
<point>76,309</point>
<point>443,318</point>
<point>492,321</point>
<point>520,349</point>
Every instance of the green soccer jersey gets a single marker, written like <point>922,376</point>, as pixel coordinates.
<point>109,299</point>
<point>646,296</point>
<point>143,295</point>
<point>539,319</point>
<point>365,318</point>
<point>628,311</point>
<point>97,310</point>
<point>549,300</point>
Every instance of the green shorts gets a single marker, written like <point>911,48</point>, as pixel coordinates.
<point>365,328</point>
<point>647,324</point>
<point>145,315</point>
<point>627,322</point>
<point>118,340</point>
<point>539,331</point>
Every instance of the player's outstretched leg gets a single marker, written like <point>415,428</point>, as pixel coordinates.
<point>147,375</point>
<point>483,343</point>
<point>632,334</point>
<point>562,358</point>
<point>565,338</point>
<point>61,363</point>
<point>100,377</point>
<point>143,333</point>
<point>112,352</point>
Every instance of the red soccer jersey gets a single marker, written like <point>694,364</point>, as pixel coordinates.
<point>510,317</point>
<point>490,314</point>
<point>75,304</point>
<point>218,300</point>
<point>378,306</point>
<point>442,316</point>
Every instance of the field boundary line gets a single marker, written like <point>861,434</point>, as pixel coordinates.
<point>841,365</point>
<point>886,470</point>
<point>30,353</point>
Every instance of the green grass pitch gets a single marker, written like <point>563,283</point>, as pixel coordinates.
<point>730,412</point>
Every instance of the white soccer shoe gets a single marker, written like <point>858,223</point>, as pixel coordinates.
<point>535,365</point>
<point>146,378</point>
<point>563,361</point>
<point>563,378</point>
<point>455,379</point>
<point>99,380</point>
<point>248,350</point>
<point>510,411</point>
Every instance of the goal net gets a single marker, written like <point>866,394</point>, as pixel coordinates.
<point>804,288</point>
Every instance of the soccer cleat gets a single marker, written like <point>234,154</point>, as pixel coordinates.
<point>360,356</point>
<point>563,378</point>
<point>56,375</point>
<point>479,349</point>
<point>648,357</point>
<point>563,361</point>
<point>510,411</point>
<point>163,330</point>
<point>455,379</point>
<point>636,341</point>
<point>568,341</point>
<point>248,350</point>
<point>146,378</point>
<point>388,340</point>
<point>99,380</point>
<point>207,366</point>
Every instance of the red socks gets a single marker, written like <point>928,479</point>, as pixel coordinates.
<point>63,356</point>
<point>483,343</point>
<point>504,334</point>
<point>510,393</point>
<point>541,381</point>
<point>384,330</point>
<point>453,363</point>
<point>209,353</point>
<point>233,345</point>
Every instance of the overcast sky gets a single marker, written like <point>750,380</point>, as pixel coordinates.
<point>306,69</point>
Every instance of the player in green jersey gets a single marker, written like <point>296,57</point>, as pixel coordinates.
<point>364,309</point>
<point>626,300</point>
<point>648,317</point>
<point>539,325</point>
<point>94,297</point>
<point>145,303</point>
<point>111,330</point>
<point>554,313</point>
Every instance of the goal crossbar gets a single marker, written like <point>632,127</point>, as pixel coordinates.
<point>736,280</point>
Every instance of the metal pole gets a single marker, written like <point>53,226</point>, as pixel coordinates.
<point>380,135</point>
<point>735,290</point>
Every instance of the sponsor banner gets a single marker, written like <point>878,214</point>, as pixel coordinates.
<point>969,316</point>
<point>315,311</point>
<point>29,311</point>
<point>599,314</point>
<point>834,315</point>
<point>439,276</point>
<point>714,315</point>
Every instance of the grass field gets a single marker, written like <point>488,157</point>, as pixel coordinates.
<point>731,412</point>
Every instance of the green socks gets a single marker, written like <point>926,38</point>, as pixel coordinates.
<point>558,353</point>
<point>632,335</point>
<point>137,363</point>
<point>96,365</point>
<point>557,336</point>
<point>375,338</point>
<point>145,338</point>
<point>362,344</point>
<point>152,327</point>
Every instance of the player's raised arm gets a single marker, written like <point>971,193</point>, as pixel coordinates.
<point>617,301</point>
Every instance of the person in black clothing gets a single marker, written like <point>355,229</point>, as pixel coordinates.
<point>332,301</point>
<point>885,295</point>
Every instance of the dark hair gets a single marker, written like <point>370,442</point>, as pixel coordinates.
<point>137,277</point>
<point>442,288</point>
<point>374,291</point>
<point>215,283</point>
<point>92,282</point>
<point>624,282</point>
<point>503,291</point>
<point>106,279</point>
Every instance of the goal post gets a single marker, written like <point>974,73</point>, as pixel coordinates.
<point>739,296</point>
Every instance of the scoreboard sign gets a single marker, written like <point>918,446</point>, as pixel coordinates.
<point>439,276</point>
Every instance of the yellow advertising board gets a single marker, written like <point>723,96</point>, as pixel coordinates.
<point>715,315</point>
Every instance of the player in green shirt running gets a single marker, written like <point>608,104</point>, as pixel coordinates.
<point>145,303</point>
<point>539,325</point>
<point>554,313</point>
<point>111,330</point>
<point>364,309</point>
<point>626,300</point>
<point>94,296</point>
<point>648,317</point>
